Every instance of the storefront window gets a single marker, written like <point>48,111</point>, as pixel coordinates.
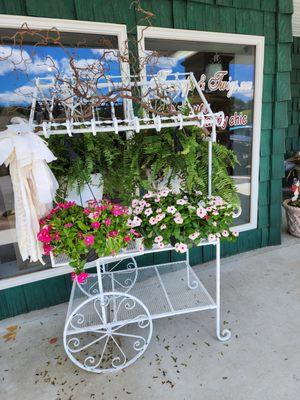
<point>226,73</point>
<point>22,60</point>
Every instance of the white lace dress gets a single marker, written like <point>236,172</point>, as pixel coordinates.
<point>34,184</point>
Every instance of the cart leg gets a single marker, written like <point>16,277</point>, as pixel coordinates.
<point>224,334</point>
<point>191,284</point>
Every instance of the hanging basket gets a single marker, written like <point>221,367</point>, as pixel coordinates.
<point>292,218</point>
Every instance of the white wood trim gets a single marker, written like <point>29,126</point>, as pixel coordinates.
<point>296,18</point>
<point>30,277</point>
<point>218,37</point>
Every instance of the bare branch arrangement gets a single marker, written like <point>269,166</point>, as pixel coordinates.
<point>82,90</point>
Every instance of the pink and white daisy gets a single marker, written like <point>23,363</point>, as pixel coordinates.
<point>181,202</point>
<point>153,221</point>
<point>218,201</point>
<point>171,210</point>
<point>134,203</point>
<point>194,236</point>
<point>161,216</point>
<point>201,212</point>
<point>211,237</point>
<point>157,199</point>
<point>164,192</point>
<point>148,211</point>
<point>148,195</point>
<point>225,233</point>
<point>138,210</point>
<point>180,247</point>
<point>235,233</point>
<point>208,209</point>
<point>136,221</point>
<point>161,245</point>
<point>178,220</point>
<point>158,239</point>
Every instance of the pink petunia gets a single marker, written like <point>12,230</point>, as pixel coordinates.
<point>47,249</point>
<point>44,237</point>
<point>89,240</point>
<point>56,235</point>
<point>164,226</point>
<point>113,233</point>
<point>235,233</point>
<point>80,278</point>
<point>95,225</point>
<point>68,225</point>
<point>117,210</point>
<point>158,239</point>
<point>127,239</point>
<point>107,222</point>
<point>225,233</point>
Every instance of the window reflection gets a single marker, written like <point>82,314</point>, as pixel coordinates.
<point>225,72</point>
<point>17,80</point>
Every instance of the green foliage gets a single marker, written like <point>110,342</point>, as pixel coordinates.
<point>145,160</point>
<point>80,156</point>
<point>182,219</point>
<point>153,157</point>
<point>76,231</point>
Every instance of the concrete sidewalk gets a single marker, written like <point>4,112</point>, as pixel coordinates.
<point>184,361</point>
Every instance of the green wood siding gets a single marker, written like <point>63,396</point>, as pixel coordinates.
<point>271,18</point>
<point>292,141</point>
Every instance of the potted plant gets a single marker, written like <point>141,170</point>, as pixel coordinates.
<point>100,229</point>
<point>184,220</point>
<point>86,166</point>
<point>292,210</point>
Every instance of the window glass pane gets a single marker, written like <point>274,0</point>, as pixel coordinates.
<point>225,72</point>
<point>20,65</point>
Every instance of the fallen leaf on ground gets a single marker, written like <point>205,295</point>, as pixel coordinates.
<point>11,333</point>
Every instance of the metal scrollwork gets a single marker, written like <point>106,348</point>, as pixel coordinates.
<point>107,332</point>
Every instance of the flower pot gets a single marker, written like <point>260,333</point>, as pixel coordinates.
<point>87,191</point>
<point>293,218</point>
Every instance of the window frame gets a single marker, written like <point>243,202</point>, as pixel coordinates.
<point>9,236</point>
<point>229,38</point>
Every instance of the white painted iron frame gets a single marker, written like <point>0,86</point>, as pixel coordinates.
<point>192,280</point>
<point>106,304</point>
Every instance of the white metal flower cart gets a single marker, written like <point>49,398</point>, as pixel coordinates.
<point>110,316</point>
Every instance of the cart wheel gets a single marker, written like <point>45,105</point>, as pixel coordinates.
<point>107,332</point>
